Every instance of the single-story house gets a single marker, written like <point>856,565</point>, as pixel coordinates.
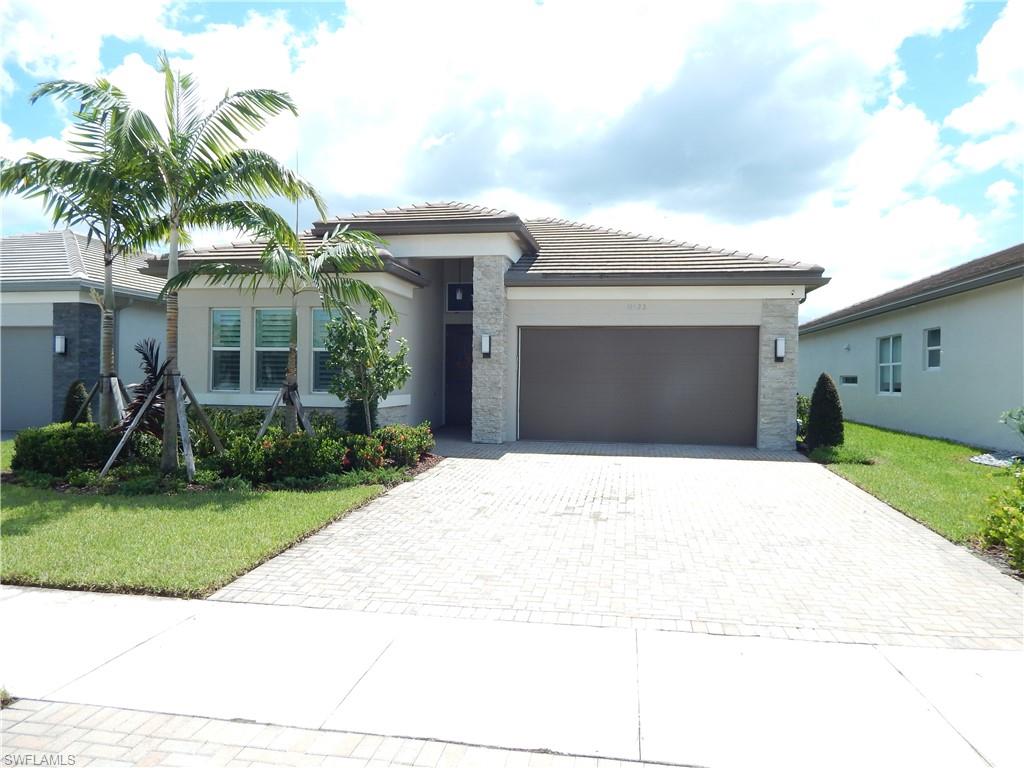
<point>942,356</point>
<point>541,329</point>
<point>50,324</point>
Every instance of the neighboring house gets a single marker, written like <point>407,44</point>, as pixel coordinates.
<point>45,300</point>
<point>942,356</point>
<point>542,329</point>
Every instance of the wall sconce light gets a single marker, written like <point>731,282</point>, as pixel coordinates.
<point>458,294</point>
<point>485,344</point>
<point>780,349</point>
<point>60,345</point>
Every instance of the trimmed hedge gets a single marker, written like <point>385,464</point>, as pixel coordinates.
<point>403,445</point>
<point>56,449</point>
<point>825,418</point>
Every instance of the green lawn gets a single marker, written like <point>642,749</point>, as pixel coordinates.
<point>930,480</point>
<point>185,545</point>
<point>6,453</point>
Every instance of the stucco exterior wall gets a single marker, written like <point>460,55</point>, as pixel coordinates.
<point>981,373</point>
<point>135,322</point>
<point>422,327</point>
<point>196,302</point>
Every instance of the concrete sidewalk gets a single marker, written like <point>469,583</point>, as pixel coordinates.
<point>628,694</point>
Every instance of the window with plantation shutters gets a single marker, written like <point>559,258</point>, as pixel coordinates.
<point>225,349</point>
<point>322,370</point>
<point>272,330</point>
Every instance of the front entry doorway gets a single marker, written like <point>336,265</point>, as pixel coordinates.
<point>458,375</point>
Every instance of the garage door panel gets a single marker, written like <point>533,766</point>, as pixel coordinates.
<point>26,359</point>
<point>636,384</point>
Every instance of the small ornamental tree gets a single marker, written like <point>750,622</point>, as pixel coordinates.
<point>366,370</point>
<point>825,419</point>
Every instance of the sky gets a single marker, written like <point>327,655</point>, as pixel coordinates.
<point>883,141</point>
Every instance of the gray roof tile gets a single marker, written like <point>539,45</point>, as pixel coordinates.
<point>66,256</point>
<point>1002,265</point>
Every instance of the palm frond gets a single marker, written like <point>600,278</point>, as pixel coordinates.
<point>241,276</point>
<point>225,126</point>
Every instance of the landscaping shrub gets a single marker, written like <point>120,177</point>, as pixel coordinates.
<point>1005,523</point>
<point>803,408</point>
<point>327,425</point>
<point>56,449</point>
<point>825,416</point>
<point>365,451</point>
<point>404,445</point>
<point>77,393</point>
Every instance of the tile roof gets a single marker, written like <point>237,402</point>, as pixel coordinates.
<point>996,267</point>
<point>41,259</point>
<point>574,253</point>
<point>250,250</point>
<point>560,252</point>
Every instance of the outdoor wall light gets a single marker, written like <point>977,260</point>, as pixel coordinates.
<point>458,294</point>
<point>485,344</point>
<point>780,349</point>
<point>60,345</point>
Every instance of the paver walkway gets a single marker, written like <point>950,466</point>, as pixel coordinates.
<point>724,541</point>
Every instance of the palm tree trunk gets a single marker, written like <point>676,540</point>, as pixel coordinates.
<point>291,374</point>
<point>366,404</point>
<point>169,455</point>
<point>107,406</point>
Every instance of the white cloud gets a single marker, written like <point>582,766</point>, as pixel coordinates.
<point>1003,194</point>
<point>493,100</point>
<point>994,119</point>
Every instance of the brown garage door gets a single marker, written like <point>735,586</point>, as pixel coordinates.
<point>650,385</point>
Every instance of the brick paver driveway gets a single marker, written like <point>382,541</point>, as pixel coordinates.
<point>730,541</point>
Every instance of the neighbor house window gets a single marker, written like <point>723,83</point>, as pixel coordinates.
<point>847,379</point>
<point>273,328</point>
<point>322,371</point>
<point>890,364</point>
<point>225,348</point>
<point>933,348</point>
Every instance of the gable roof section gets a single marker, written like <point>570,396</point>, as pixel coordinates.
<point>994,268</point>
<point>66,260</point>
<point>248,252</point>
<point>434,218</point>
<point>572,253</point>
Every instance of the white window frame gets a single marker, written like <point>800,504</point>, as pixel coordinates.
<point>256,350</point>
<point>891,365</point>
<point>849,383</point>
<point>928,349</point>
<point>312,336</point>
<point>237,349</point>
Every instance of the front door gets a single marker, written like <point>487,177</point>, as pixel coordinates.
<point>458,375</point>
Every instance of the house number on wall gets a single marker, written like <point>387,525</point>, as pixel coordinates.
<point>636,307</point>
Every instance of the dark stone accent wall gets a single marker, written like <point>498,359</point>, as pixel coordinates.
<point>80,324</point>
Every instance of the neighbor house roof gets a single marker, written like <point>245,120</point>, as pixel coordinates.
<point>994,268</point>
<point>248,252</point>
<point>434,218</point>
<point>66,260</point>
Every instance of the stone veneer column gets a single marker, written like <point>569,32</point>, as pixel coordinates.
<point>776,391</point>
<point>489,311</point>
<point>80,324</point>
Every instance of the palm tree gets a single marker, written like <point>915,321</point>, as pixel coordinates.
<point>103,190</point>
<point>304,265</point>
<point>201,176</point>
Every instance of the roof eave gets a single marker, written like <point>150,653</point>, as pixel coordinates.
<point>810,280</point>
<point>158,266</point>
<point>74,284</point>
<point>997,276</point>
<point>512,225</point>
